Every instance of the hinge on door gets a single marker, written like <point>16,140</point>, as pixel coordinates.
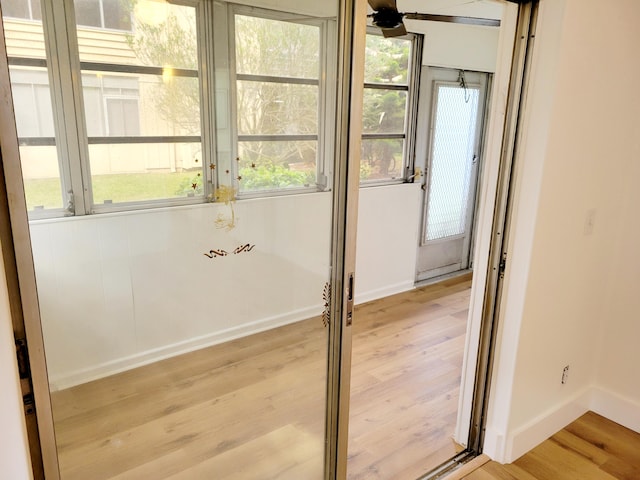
<point>23,358</point>
<point>503,264</point>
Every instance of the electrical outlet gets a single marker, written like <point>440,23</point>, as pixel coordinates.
<point>565,375</point>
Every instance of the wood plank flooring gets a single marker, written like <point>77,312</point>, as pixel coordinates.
<point>254,408</point>
<point>591,448</point>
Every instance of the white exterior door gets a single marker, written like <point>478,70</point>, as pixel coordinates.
<point>457,105</point>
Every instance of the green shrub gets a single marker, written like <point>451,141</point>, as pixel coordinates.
<point>271,176</point>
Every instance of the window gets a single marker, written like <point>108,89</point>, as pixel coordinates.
<point>142,112</point>
<point>27,9</point>
<point>387,123</point>
<point>138,123</point>
<point>113,14</point>
<point>278,91</point>
<point>30,81</point>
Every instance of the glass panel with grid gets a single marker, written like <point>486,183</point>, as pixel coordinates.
<point>142,106</point>
<point>277,103</point>
<point>454,138</point>
<point>386,97</point>
<point>30,86</point>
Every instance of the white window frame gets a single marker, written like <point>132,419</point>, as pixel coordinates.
<point>326,99</point>
<point>215,31</point>
<point>73,142</point>
<point>102,22</point>
<point>408,136</point>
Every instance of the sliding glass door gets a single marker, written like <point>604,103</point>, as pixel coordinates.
<point>177,161</point>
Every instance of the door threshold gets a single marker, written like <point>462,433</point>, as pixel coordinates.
<point>459,276</point>
<point>458,467</point>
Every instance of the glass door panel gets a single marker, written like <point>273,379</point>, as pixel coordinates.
<point>185,327</point>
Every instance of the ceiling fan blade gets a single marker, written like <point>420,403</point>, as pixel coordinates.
<point>485,22</point>
<point>394,32</point>
<point>383,4</point>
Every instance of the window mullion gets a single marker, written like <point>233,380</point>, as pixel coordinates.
<point>206,56</point>
<point>59,28</point>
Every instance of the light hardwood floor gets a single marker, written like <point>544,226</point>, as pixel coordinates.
<point>253,408</point>
<point>591,448</point>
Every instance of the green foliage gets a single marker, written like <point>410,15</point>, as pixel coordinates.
<point>268,176</point>
<point>387,60</point>
<point>185,187</point>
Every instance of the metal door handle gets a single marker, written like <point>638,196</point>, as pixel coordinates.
<point>350,300</point>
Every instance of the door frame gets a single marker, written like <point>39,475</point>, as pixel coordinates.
<point>20,272</point>
<point>352,20</point>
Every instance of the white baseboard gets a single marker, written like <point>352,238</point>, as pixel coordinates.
<point>95,372</point>
<point>617,408</point>
<point>60,381</point>
<point>538,430</point>
<point>384,292</point>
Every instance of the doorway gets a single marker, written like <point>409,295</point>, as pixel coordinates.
<point>457,102</point>
<point>279,249</point>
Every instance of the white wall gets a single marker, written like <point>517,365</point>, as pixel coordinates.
<point>468,47</point>
<point>121,290</point>
<point>388,229</point>
<point>569,295</point>
<point>15,463</point>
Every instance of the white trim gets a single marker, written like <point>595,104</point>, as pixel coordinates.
<point>394,289</point>
<point>67,380</point>
<point>620,409</point>
<point>484,218</point>
<point>506,448</point>
<point>545,425</point>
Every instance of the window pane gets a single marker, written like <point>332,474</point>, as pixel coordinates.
<point>116,14</point>
<point>36,10</point>
<point>384,111</point>
<point>381,159</point>
<point>452,163</point>
<point>88,13</point>
<point>24,39</point>
<point>15,8</point>
<point>32,106</point>
<point>276,48</point>
<point>277,165</point>
<point>142,172</point>
<point>387,60</point>
<point>41,175</point>
<point>276,108</point>
<point>156,105</point>
<point>164,35</point>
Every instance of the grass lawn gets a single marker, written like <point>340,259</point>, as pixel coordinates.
<point>126,187</point>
